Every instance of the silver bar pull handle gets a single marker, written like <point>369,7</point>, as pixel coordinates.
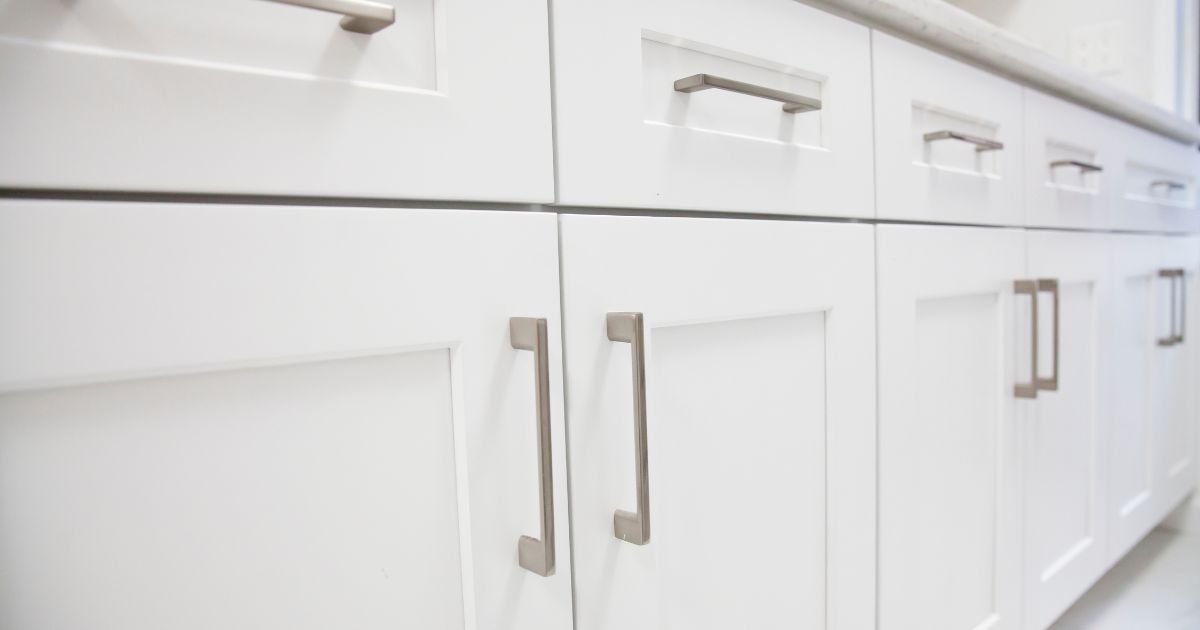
<point>792,103</point>
<point>1050,285</point>
<point>359,16</point>
<point>1030,389</point>
<point>1176,277</point>
<point>1182,305</point>
<point>1169,184</point>
<point>1086,167</point>
<point>634,527</point>
<point>529,333</point>
<point>981,144</point>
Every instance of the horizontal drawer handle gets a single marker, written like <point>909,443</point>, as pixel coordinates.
<point>981,144</point>
<point>1083,166</point>
<point>360,16</point>
<point>1169,184</point>
<point>792,103</point>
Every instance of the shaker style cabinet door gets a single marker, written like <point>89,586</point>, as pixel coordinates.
<point>1071,166</point>
<point>726,105</point>
<point>1152,461</point>
<point>1066,430</point>
<point>450,99</point>
<point>721,417</point>
<point>268,417</point>
<point>949,518</point>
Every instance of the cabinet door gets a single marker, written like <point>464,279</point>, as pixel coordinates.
<point>744,479</point>
<point>1151,461</point>
<point>242,97</point>
<point>267,417</point>
<point>1064,478</point>
<point>949,551</point>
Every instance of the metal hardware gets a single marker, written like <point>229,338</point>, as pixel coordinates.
<point>634,527</point>
<point>1178,308</point>
<point>1030,288</point>
<point>792,103</point>
<point>1169,184</point>
<point>1086,167</point>
<point>529,333</point>
<point>981,144</point>
<point>360,16</point>
<point>1050,285</point>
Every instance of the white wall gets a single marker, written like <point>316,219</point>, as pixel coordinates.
<point>1147,47</point>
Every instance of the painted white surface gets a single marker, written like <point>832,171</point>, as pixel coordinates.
<point>949,493</point>
<point>760,381</point>
<point>261,416</point>
<point>1066,196</point>
<point>230,96</point>
<point>626,138</point>
<point>1143,204</point>
<point>1064,442</point>
<point>918,92</point>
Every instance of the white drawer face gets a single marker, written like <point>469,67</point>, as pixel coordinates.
<point>250,97</point>
<point>629,135</point>
<point>1070,164</point>
<point>1158,190</point>
<point>947,138</point>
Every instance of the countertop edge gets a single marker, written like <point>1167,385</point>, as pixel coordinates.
<point>943,26</point>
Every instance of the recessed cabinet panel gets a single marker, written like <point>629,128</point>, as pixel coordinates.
<point>947,452</point>
<point>1065,474</point>
<point>234,96</point>
<point>754,485</point>
<point>947,138</point>
<point>760,106</point>
<point>1070,164</point>
<point>338,417</point>
<point>1160,188</point>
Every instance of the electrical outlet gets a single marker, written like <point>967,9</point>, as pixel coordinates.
<point>1098,48</point>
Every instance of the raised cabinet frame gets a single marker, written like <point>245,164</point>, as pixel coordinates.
<point>756,339</point>
<point>324,407</point>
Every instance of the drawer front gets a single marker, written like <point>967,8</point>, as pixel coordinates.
<point>233,96</point>
<point>1158,186</point>
<point>1070,164</point>
<point>947,138</point>
<point>628,137</point>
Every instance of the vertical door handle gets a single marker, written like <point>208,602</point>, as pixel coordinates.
<point>1030,288</point>
<point>358,16</point>
<point>529,333</point>
<point>634,527</point>
<point>1182,276</point>
<point>1173,337</point>
<point>1050,285</point>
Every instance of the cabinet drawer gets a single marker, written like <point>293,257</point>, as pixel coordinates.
<point>335,419</point>
<point>1070,164</point>
<point>234,96</point>
<point>947,138</point>
<point>629,136</point>
<point>1158,187</point>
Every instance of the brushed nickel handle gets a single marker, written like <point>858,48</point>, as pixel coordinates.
<point>1050,285</point>
<point>359,16</point>
<point>1030,389</point>
<point>634,527</point>
<point>792,103</point>
<point>981,144</point>
<point>529,333</point>
<point>1177,309</point>
<point>1169,184</point>
<point>1182,305</point>
<point>1086,167</point>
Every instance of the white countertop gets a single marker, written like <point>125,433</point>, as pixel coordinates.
<point>943,26</point>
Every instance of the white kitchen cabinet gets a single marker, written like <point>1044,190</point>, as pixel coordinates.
<point>270,417</point>
<point>1070,164</point>
<point>733,485</point>
<point>629,134</point>
<point>950,325</point>
<point>1066,431</point>
<point>948,138</point>
<point>1159,179</point>
<point>248,97</point>
<point>1152,461</point>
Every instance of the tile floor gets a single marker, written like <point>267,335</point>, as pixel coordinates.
<point>1155,587</point>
